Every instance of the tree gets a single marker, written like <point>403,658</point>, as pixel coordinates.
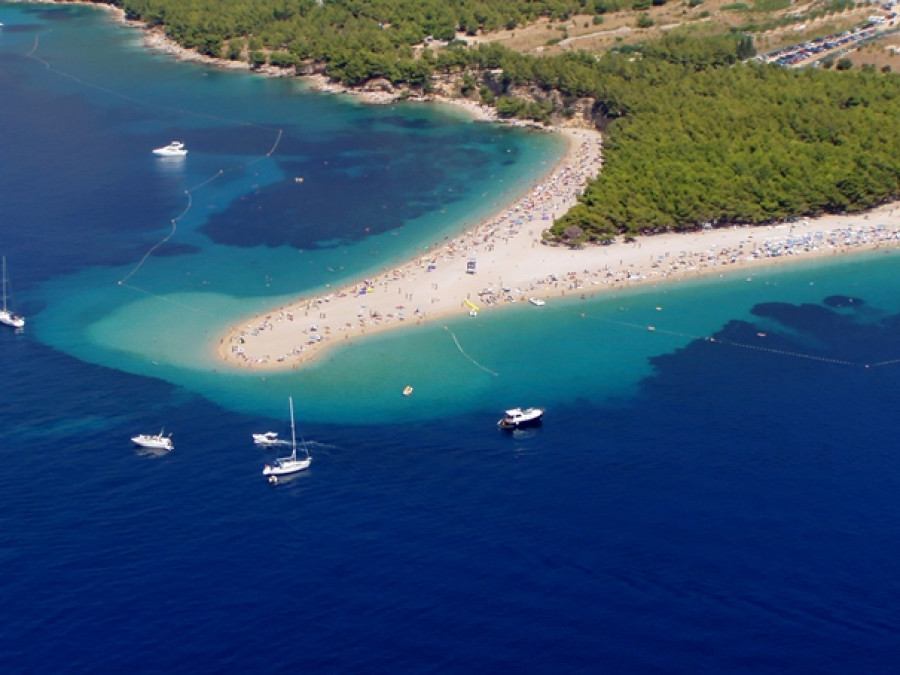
<point>283,60</point>
<point>468,84</point>
<point>508,106</point>
<point>235,49</point>
<point>745,48</point>
<point>258,59</point>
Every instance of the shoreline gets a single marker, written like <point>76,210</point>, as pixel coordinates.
<point>432,285</point>
<point>513,265</point>
<point>155,39</point>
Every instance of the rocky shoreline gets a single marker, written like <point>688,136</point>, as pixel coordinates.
<point>376,92</point>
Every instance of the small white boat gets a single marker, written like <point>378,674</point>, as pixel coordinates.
<point>173,149</point>
<point>268,438</point>
<point>284,466</point>
<point>537,302</point>
<point>8,317</point>
<point>157,441</point>
<point>516,418</point>
<point>408,390</point>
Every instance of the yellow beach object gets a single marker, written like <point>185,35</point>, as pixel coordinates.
<point>472,305</point>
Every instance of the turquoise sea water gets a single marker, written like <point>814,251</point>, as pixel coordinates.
<point>188,247</point>
<point>717,494</point>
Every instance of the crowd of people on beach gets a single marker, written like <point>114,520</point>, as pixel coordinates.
<point>755,247</point>
<point>544,202</point>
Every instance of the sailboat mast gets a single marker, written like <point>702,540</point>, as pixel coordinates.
<point>4,283</point>
<point>293,434</point>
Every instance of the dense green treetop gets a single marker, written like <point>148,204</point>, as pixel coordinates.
<point>751,144</point>
<point>311,28</point>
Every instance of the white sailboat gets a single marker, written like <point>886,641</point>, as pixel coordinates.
<point>284,466</point>
<point>6,316</point>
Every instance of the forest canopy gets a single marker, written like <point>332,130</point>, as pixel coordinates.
<point>751,145</point>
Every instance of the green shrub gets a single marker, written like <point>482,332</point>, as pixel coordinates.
<point>844,64</point>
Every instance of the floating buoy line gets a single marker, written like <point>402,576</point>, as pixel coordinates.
<point>744,345</point>
<point>32,54</point>
<point>174,221</point>
<point>463,352</point>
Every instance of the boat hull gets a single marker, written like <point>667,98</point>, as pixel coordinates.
<point>12,320</point>
<point>521,419</point>
<point>503,424</point>
<point>173,149</point>
<point>285,467</point>
<point>153,442</point>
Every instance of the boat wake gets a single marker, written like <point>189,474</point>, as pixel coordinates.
<point>152,453</point>
<point>273,444</point>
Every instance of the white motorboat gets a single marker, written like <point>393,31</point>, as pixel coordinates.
<point>156,441</point>
<point>173,149</point>
<point>537,302</point>
<point>8,317</point>
<point>268,438</point>
<point>285,466</point>
<point>516,418</point>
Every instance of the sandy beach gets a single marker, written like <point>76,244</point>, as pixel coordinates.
<point>512,266</point>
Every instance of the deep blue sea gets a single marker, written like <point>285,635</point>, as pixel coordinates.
<point>720,494</point>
